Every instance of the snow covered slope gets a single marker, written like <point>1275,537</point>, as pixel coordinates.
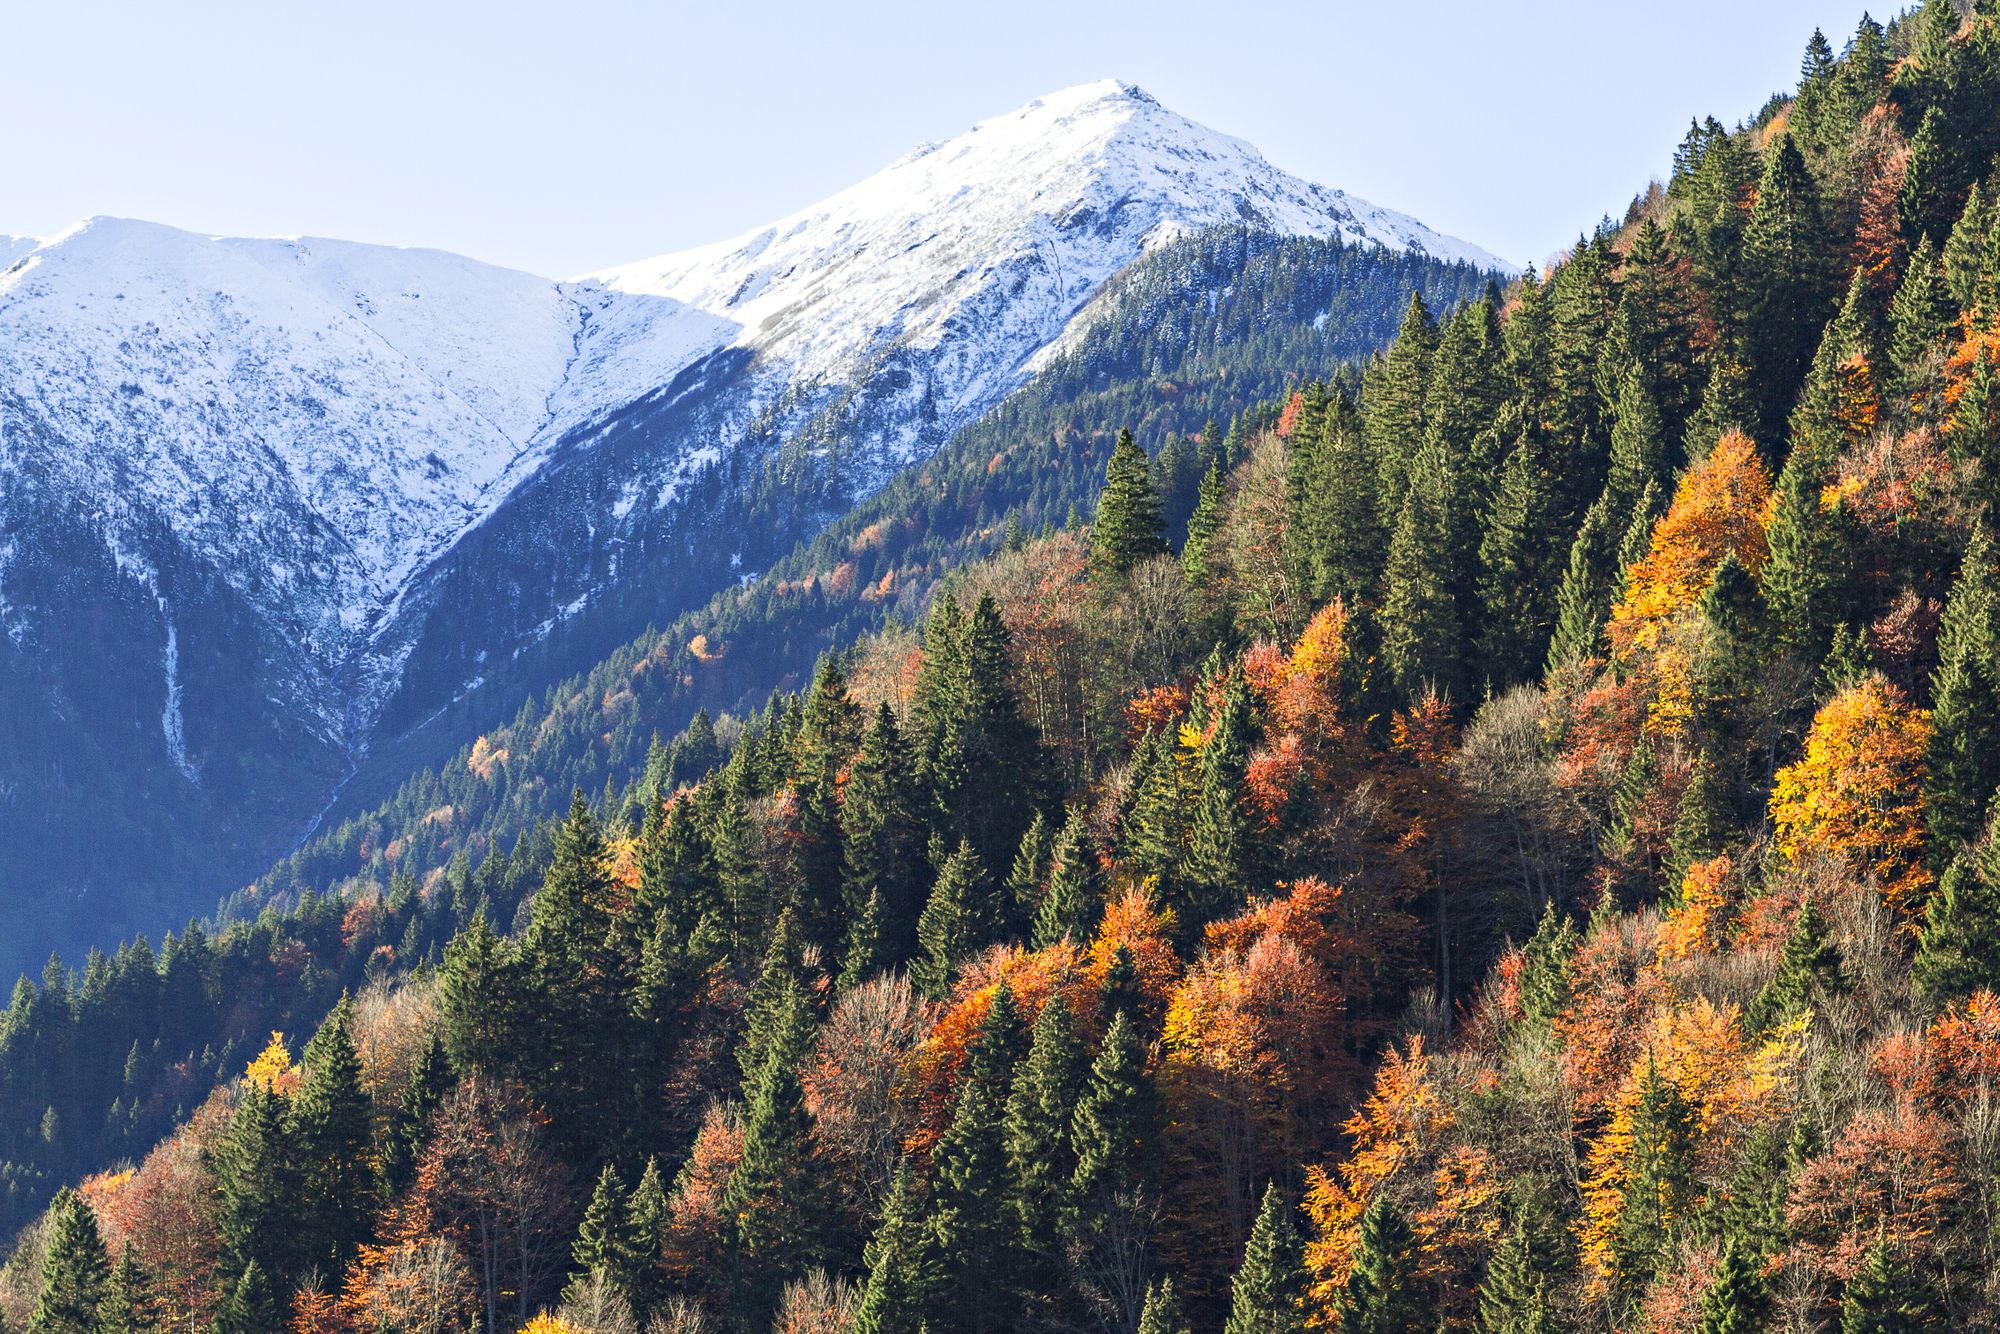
<point>258,495</point>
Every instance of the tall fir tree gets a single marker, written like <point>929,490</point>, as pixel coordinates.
<point>331,1120</point>
<point>954,921</point>
<point>1393,404</point>
<point>772,1199</point>
<point>76,1271</point>
<point>1128,528</point>
<point>1958,949</point>
<point>1809,968</point>
<point>881,834</point>
<point>1421,632</point>
<point>1221,848</point>
<point>1269,1291</point>
<point>1737,1300</point>
<point>1785,246</point>
<point>902,1285</point>
<point>1659,1181</point>
<point>1073,903</point>
<point>1162,1314</point>
<point>1381,1294</point>
<point>1884,1297</point>
<point>1962,761</point>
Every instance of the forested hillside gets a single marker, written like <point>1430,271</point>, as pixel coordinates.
<point>1518,854</point>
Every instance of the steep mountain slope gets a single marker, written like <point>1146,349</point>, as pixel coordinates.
<point>312,493</point>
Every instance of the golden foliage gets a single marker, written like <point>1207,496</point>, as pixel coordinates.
<point>1856,794</point>
<point>1717,510</point>
<point>273,1068</point>
<point>1696,923</point>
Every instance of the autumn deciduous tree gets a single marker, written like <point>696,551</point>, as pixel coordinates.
<point>1856,794</point>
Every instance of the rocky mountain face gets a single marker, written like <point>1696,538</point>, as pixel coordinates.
<point>267,506</point>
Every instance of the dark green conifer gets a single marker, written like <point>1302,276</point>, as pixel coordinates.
<point>249,1305</point>
<point>1162,1314</point>
<point>648,1217</point>
<point>76,1271</point>
<point>1381,1295</point>
<point>1737,1301</point>
<point>1040,1152</point>
<point>1919,316</point>
<point>603,1240</point>
<point>1211,507</point>
<point>1220,847</point>
<point>1809,967</point>
<point>953,923</point>
<point>902,1286</point>
<point>1545,967</point>
<point>130,1305</point>
<point>1073,902</point>
<point>1884,1298</point>
<point>1029,877</point>
<point>476,1000</point>
<point>331,1117</point>
<point>1393,404</point>
<point>1583,599</point>
<point>1785,249</point>
<point>975,1234</point>
<point>1958,951</point>
<point>1268,1294</point>
<point>1421,631</point>
<point>1513,1296</point>
<point>772,1200</point>
<point>1515,610</point>
<point>257,1191</point>
<point>1128,527</point>
<point>880,834</point>
<point>1659,1181</point>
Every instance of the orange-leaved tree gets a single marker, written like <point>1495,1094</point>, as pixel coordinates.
<point>1856,794</point>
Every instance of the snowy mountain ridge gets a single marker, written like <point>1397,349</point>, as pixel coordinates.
<point>266,501</point>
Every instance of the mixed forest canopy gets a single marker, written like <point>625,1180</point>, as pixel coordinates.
<point>1503,841</point>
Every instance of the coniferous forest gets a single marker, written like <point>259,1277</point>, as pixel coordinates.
<point>1503,839</point>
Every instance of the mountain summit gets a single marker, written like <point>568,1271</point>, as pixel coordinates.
<point>311,493</point>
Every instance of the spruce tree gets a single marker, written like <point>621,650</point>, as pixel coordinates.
<point>902,1285</point>
<point>1919,316</point>
<point>329,1134</point>
<point>257,1192</point>
<point>1964,258</point>
<point>1268,1294</point>
<point>1515,612</point>
<point>408,1128</point>
<point>772,1200</point>
<point>1345,512</point>
<point>1513,1295</point>
<point>76,1271</point>
<point>1736,1301</point>
<point>1030,874</point>
<point>249,1304</point>
<point>1162,1314</point>
<point>1220,845</point>
<point>1393,404</point>
<point>1381,1294</point>
<point>1784,257</point>
<point>1198,562</point>
<point>1659,1180</point>
<point>603,1240</point>
<point>1962,763</point>
<point>1883,1298</point>
<point>1128,527</point>
<point>1153,834</point>
<point>1583,599</point>
<point>1421,631</point>
<point>1809,967</point>
<point>953,923</point>
<point>1071,906</point>
<point>1040,1152</point>
<point>1545,967</point>
<point>476,999</point>
<point>130,1305</point>
<point>975,1234</point>
<point>648,1216</point>
<point>1805,580</point>
<point>880,834</point>
<point>1958,951</point>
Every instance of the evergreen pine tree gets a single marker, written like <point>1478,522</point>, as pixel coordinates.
<point>1421,632</point>
<point>1545,967</point>
<point>76,1271</point>
<point>1785,245</point>
<point>1220,846</point>
<point>880,834</point>
<point>1393,404</point>
<point>1380,1296</point>
<point>1515,615</point>
<point>1153,833</point>
<point>604,1240</point>
<point>974,1232</point>
<point>1211,507</point>
<point>1513,1296</point>
<point>1030,874</point>
<point>1962,764</point>
<point>902,1286</point>
<point>1659,1180</point>
<point>1128,527</point>
<point>1162,1314</point>
<point>1809,966</point>
<point>648,1216</point>
<point>1736,1301</point>
<point>1958,951</point>
<point>257,1191</point>
<point>1268,1294</point>
<point>408,1128</point>
<point>1883,1298</point>
<point>1701,823</point>
<point>1583,599</point>
<point>1919,316</point>
<point>476,1000</point>
<point>952,924</point>
<point>130,1306</point>
<point>329,1134</point>
<point>1040,1152</point>
<point>1345,515</point>
<point>772,1200</point>
<point>249,1305</point>
<point>1073,903</point>
<point>1964,257</point>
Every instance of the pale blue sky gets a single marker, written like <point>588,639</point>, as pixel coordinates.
<point>566,136</point>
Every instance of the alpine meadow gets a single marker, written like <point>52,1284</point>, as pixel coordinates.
<point>1087,735</point>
